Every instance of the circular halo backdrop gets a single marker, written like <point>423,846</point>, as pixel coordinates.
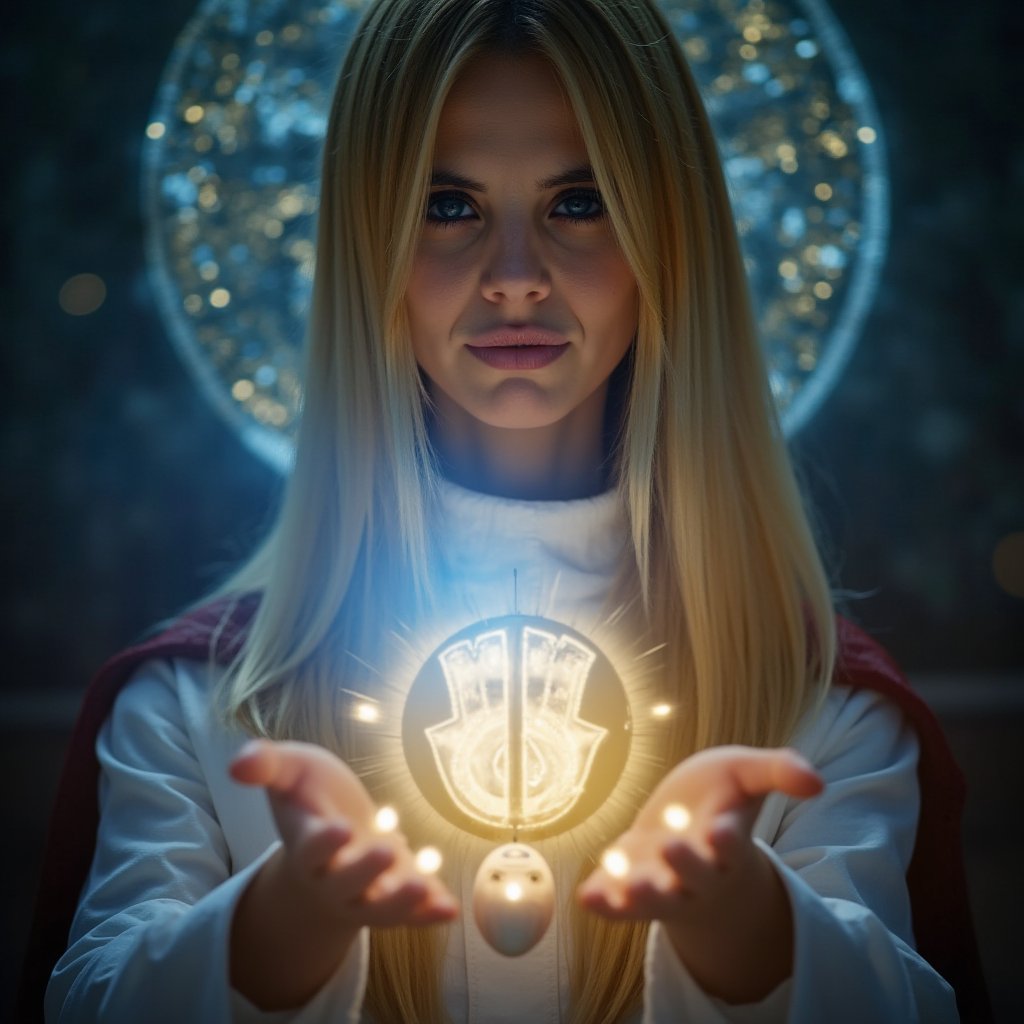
<point>230,190</point>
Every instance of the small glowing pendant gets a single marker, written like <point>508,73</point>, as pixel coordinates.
<point>513,898</point>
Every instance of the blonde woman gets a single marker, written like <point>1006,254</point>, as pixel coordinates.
<point>530,359</point>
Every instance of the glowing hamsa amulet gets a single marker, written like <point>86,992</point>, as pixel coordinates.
<point>513,898</point>
<point>516,726</point>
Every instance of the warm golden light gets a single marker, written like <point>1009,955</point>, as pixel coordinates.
<point>386,820</point>
<point>428,860</point>
<point>242,390</point>
<point>677,817</point>
<point>515,698</point>
<point>833,144</point>
<point>82,294</point>
<point>513,892</point>
<point>616,863</point>
<point>1008,564</point>
<point>661,710</point>
<point>156,130</point>
<point>367,713</point>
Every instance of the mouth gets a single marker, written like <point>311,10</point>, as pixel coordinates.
<point>514,336</point>
<point>514,347</point>
<point>521,356</point>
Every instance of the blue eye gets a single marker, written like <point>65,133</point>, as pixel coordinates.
<point>581,206</point>
<point>447,208</point>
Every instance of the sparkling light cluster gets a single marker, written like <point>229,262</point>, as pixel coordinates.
<point>231,190</point>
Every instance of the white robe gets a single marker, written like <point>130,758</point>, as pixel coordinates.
<point>179,841</point>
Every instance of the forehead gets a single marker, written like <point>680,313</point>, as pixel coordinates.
<point>507,107</point>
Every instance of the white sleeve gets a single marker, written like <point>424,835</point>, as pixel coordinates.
<point>151,935</point>
<point>843,858</point>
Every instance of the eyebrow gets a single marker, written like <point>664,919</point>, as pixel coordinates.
<point>575,176</point>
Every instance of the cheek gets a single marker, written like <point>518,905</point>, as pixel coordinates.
<point>438,285</point>
<point>605,290</point>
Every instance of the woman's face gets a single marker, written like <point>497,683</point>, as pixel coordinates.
<point>520,301</point>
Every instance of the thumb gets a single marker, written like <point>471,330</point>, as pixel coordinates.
<point>256,764</point>
<point>782,770</point>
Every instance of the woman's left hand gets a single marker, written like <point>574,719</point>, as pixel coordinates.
<point>689,861</point>
<point>692,838</point>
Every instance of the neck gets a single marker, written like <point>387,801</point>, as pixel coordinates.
<point>560,461</point>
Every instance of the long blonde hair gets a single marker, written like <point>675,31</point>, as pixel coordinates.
<point>722,566</point>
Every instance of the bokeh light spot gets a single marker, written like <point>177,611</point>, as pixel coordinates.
<point>1008,564</point>
<point>82,294</point>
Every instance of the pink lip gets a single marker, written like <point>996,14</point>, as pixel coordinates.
<point>518,348</point>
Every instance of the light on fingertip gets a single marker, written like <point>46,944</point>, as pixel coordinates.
<point>428,860</point>
<point>616,863</point>
<point>513,892</point>
<point>677,817</point>
<point>386,820</point>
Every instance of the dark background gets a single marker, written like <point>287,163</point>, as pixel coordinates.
<point>125,496</point>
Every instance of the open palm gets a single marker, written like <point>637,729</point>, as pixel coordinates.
<point>692,840</point>
<point>334,854</point>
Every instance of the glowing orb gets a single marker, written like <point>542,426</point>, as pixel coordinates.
<point>386,820</point>
<point>677,817</point>
<point>428,860</point>
<point>516,724</point>
<point>368,713</point>
<point>616,863</point>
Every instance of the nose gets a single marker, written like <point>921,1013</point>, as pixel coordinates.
<point>514,270</point>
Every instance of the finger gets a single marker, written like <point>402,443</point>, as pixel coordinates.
<point>650,898</point>
<point>355,873</point>
<point>694,871</point>
<point>278,766</point>
<point>766,771</point>
<point>416,901</point>
<point>729,837</point>
<point>255,763</point>
<point>305,773</point>
<point>604,903</point>
<point>391,901</point>
<point>660,877</point>
<point>318,847</point>
<point>434,912</point>
<point>599,891</point>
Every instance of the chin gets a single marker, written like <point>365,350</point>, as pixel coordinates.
<point>520,405</point>
<point>521,419</point>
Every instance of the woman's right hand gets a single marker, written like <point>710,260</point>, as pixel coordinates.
<point>334,873</point>
<point>338,863</point>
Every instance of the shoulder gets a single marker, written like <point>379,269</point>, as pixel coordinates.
<point>857,730</point>
<point>166,693</point>
<point>151,678</point>
<point>864,667</point>
<point>166,717</point>
<point>167,745</point>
